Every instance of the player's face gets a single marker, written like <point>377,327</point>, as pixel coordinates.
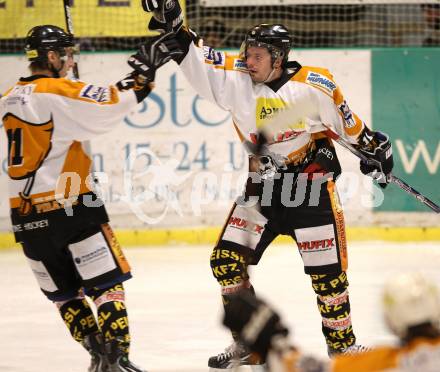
<point>66,62</point>
<point>62,63</point>
<point>259,63</point>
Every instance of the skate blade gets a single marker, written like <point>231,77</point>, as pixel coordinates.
<point>245,368</point>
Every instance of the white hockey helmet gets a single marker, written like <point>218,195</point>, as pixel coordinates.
<point>410,300</point>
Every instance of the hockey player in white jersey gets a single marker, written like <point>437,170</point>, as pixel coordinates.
<point>411,309</point>
<point>57,218</point>
<point>302,201</point>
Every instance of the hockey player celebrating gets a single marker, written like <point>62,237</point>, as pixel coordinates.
<point>411,307</point>
<point>254,86</point>
<point>57,218</point>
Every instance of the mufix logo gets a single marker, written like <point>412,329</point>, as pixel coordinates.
<point>243,224</point>
<point>316,244</point>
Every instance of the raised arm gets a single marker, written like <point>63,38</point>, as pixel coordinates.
<point>213,74</point>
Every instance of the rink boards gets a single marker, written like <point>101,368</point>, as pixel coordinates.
<point>199,164</point>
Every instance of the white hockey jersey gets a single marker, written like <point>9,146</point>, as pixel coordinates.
<point>45,120</point>
<point>223,79</point>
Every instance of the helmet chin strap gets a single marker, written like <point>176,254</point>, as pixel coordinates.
<point>269,77</point>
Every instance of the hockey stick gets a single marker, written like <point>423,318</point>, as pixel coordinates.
<point>70,30</point>
<point>295,119</point>
<point>75,70</point>
<point>394,179</point>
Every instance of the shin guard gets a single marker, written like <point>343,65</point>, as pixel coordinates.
<point>78,317</point>
<point>334,307</point>
<point>230,270</point>
<point>112,314</point>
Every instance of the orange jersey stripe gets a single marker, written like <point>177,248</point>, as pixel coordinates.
<point>340,224</point>
<point>77,161</point>
<point>71,89</point>
<point>115,247</point>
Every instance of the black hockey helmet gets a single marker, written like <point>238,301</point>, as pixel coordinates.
<point>275,37</point>
<point>42,39</point>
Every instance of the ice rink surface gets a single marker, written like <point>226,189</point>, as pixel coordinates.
<point>175,309</point>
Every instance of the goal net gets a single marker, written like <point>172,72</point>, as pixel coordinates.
<point>323,23</point>
<point>102,25</point>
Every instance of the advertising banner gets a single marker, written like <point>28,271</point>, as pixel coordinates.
<point>91,18</point>
<point>175,160</point>
<point>406,104</point>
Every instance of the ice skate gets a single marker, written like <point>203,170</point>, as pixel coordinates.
<point>234,356</point>
<point>352,349</point>
<point>94,345</point>
<point>118,359</point>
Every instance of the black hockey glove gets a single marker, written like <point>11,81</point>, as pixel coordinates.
<point>167,15</point>
<point>131,81</point>
<point>138,83</point>
<point>257,325</point>
<point>376,146</point>
<point>154,53</point>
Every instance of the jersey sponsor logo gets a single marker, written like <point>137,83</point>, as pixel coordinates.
<point>213,57</point>
<point>30,225</point>
<point>268,112</point>
<point>234,288</point>
<point>92,256</point>
<point>281,136</point>
<point>337,324</point>
<point>240,65</point>
<point>20,94</point>
<point>326,152</point>
<point>43,277</point>
<point>54,205</point>
<point>347,114</point>
<point>334,300</point>
<point>243,224</point>
<point>95,93</point>
<point>267,108</point>
<point>388,153</point>
<point>317,244</point>
<point>321,81</point>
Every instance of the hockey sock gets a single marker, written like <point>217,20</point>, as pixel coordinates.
<point>112,314</point>
<point>78,317</point>
<point>230,270</point>
<point>334,307</point>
